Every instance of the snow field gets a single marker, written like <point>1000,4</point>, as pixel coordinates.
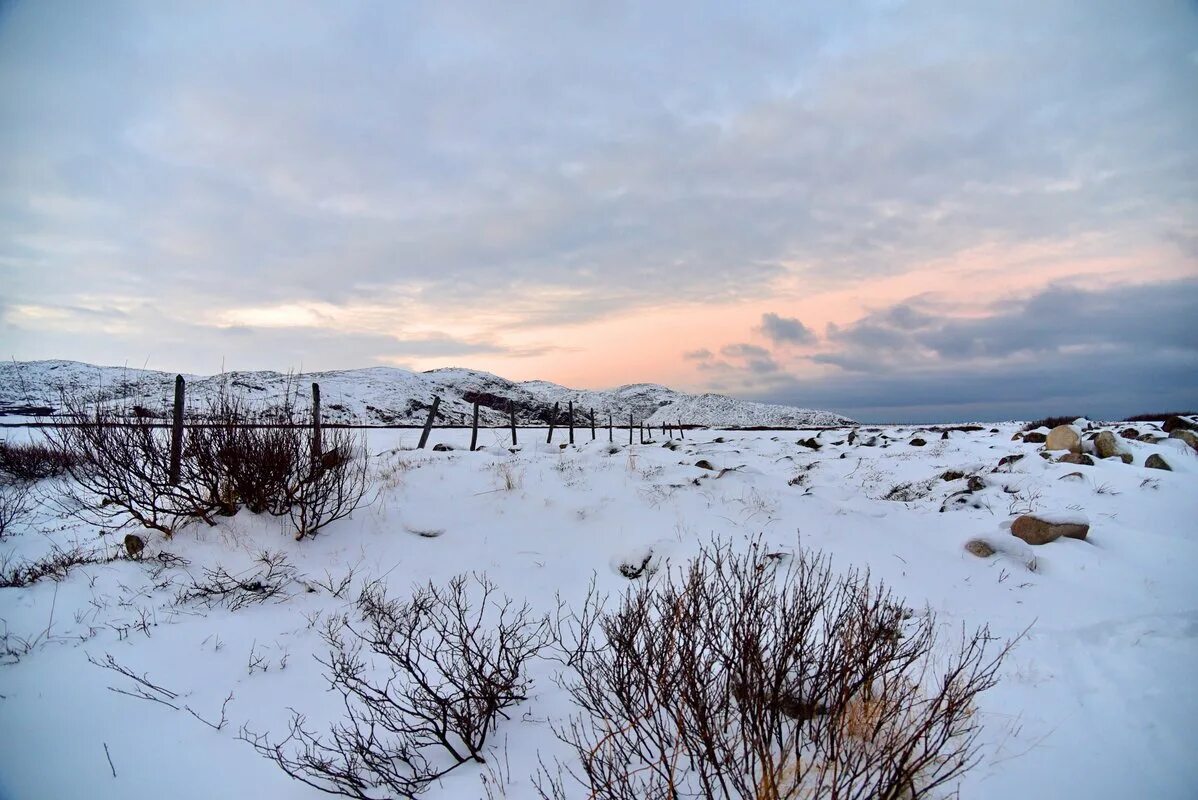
<point>1096,700</point>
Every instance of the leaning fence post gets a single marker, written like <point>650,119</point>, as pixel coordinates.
<point>511,407</point>
<point>681,431</point>
<point>428,423</point>
<point>474,429</point>
<point>317,445</point>
<point>552,420</point>
<point>177,432</point>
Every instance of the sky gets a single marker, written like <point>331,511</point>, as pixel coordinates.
<point>900,211</point>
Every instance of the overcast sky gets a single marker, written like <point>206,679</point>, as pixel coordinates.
<point>896,210</point>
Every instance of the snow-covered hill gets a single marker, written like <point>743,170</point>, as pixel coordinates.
<point>389,395</point>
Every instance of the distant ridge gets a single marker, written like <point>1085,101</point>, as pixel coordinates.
<point>390,395</point>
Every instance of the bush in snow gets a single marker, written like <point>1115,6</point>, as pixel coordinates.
<point>767,676</point>
<point>14,504</point>
<point>120,463</point>
<point>26,463</point>
<point>424,682</point>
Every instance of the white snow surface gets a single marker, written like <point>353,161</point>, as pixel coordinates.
<point>1097,700</point>
<point>389,395</point>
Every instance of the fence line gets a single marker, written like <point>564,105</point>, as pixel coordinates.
<point>178,424</point>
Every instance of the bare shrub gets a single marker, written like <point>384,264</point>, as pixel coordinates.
<point>15,503</point>
<point>331,489</point>
<point>1159,416</point>
<point>424,682</point>
<point>121,472</point>
<point>910,491</point>
<point>233,456</point>
<point>248,466</point>
<point>511,477</point>
<point>267,580</point>
<point>31,462</point>
<point>55,565</point>
<point>741,676</point>
<point>1051,422</point>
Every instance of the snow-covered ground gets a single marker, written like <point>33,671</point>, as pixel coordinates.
<point>1098,700</point>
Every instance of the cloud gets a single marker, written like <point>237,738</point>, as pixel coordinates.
<point>1049,322</point>
<point>366,179</point>
<point>754,358</point>
<point>785,330</point>
<point>1110,387</point>
<point>1066,348</point>
<point>702,354</point>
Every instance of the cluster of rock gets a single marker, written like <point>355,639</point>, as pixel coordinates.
<point>1081,448</point>
<point>1105,444</point>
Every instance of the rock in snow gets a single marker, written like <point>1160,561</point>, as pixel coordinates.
<point>1155,461</point>
<point>1043,528</point>
<point>980,548</point>
<point>1106,445</point>
<point>1189,437</point>
<point>1064,437</point>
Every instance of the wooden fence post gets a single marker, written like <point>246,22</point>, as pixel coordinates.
<point>474,429</point>
<point>571,407</point>
<point>511,407</point>
<point>611,436</point>
<point>177,432</point>
<point>629,427</point>
<point>317,445</point>
<point>592,424</point>
<point>681,430</point>
<point>552,421</point>
<point>428,423</point>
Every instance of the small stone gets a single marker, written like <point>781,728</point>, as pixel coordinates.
<point>1155,461</point>
<point>134,545</point>
<point>917,442</point>
<point>704,464</point>
<point>1076,458</point>
<point>1129,433</point>
<point>979,548</point>
<point>1007,461</point>
<point>1035,437</point>
<point>1126,458</point>
<point>1036,531</point>
<point>975,483</point>
<point>441,448</point>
